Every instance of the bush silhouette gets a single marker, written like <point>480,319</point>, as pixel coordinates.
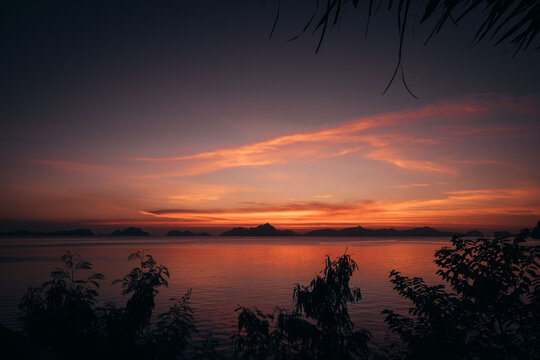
<point>319,327</point>
<point>142,283</point>
<point>491,312</point>
<point>60,314</point>
<point>488,309</point>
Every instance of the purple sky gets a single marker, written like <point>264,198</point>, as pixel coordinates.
<point>187,115</point>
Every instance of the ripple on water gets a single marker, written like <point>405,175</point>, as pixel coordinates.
<point>225,273</point>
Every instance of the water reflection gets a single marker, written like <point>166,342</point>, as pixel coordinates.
<point>226,272</point>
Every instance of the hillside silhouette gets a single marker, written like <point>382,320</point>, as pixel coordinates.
<point>130,231</point>
<point>360,231</point>
<point>261,230</point>
<point>186,233</point>
<point>61,233</point>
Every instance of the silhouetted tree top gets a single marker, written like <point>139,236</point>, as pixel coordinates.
<point>492,310</point>
<point>535,233</point>
<point>500,21</point>
<point>319,326</point>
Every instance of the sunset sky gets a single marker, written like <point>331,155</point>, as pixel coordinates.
<point>186,115</point>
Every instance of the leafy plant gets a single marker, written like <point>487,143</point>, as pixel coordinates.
<point>318,328</point>
<point>60,314</point>
<point>491,312</point>
<point>170,336</point>
<point>207,350</point>
<point>142,283</point>
<point>513,21</point>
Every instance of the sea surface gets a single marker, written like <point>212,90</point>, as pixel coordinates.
<point>226,272</point>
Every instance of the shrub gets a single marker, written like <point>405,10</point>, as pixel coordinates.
<point>491,311</point>
<point>318,328</point>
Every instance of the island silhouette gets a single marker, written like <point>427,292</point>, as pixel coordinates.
<point>130,231</point>
<point>186,233</point>
<point>61,233</point>
<point>261,230</point>
<point>269,230</point>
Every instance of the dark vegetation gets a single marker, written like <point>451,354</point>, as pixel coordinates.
<point>512,23</point>
<point>535,233</point>
<point>61,315</point>
<point>491,311</point>
<point>488,308</point>
<point>319,326</point>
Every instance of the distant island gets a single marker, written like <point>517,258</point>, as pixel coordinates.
<point>26,233</point>
<point>269,230</point>
<point>186,233</point>
<point>130,231</point>
<point>361,231</point>
<point>358,231</point>
<point>261,230</point>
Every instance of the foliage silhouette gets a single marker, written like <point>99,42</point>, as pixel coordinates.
<point>142,282</point>
<point>171,334</point>
<point>60,313</point>
<point>516,21</point>
<point>319,327</point>
<point>535,233</point>
<point>207,350</point>
<point>492,312</point>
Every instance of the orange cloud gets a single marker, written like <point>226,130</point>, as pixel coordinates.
<point>390,155</point>
<point>370,157</point>
<point>336,141</point>
<point>463,206</point>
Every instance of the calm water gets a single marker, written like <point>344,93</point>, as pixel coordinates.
<point>226,272</point>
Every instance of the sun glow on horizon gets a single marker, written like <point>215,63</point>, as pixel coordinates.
<point>446,163</point>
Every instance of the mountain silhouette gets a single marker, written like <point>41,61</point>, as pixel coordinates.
<point>130,231</point>
<point>26,233</point>
<point>361,231</point>
<point>261,230</point>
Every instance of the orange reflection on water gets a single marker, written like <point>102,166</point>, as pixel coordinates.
<point>224,273</point>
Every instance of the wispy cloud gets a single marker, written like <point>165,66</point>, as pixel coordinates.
<point>455,206</point>
<point>350,137</point>
<point>398,160</point>
<point>392,156</point>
